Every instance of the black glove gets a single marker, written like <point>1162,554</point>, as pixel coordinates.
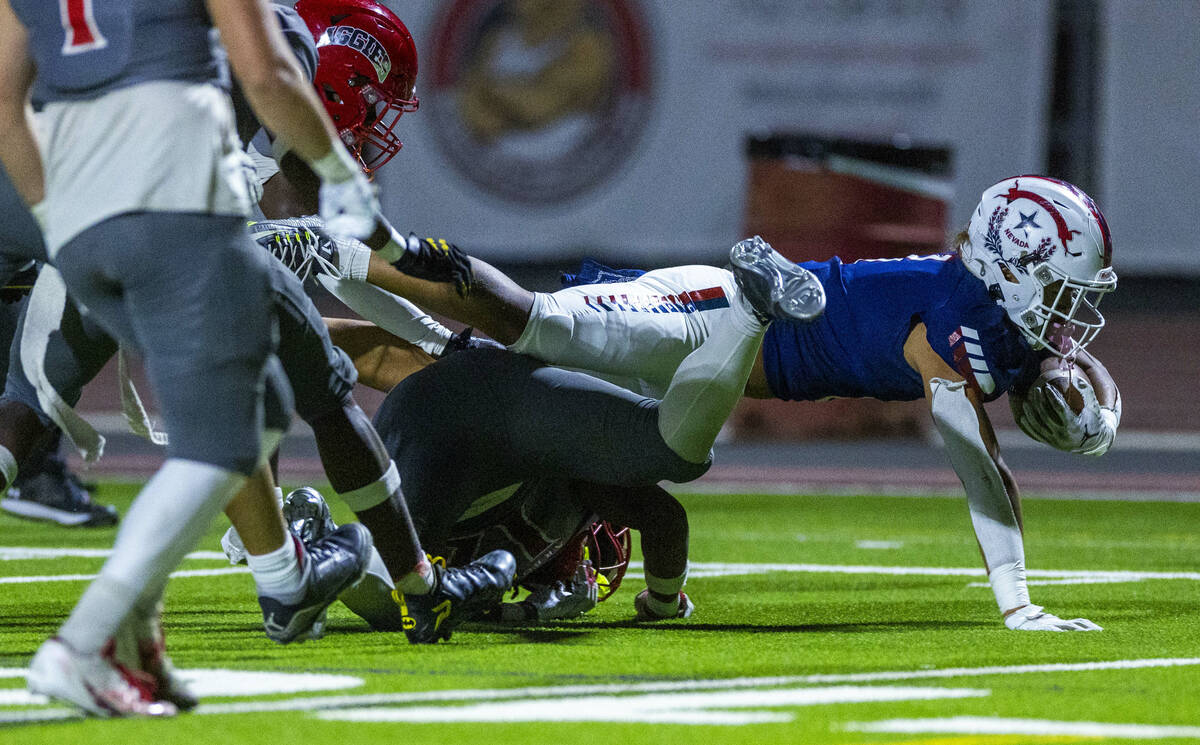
<point>437,260</point>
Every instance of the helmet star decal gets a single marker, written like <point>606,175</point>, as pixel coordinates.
<point>1065,234</point>
<point>1027,221</point>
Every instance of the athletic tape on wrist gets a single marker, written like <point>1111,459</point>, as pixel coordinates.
<point>336,166</point>
<point>375,493</point>
<point>1008,585</point>
<point>395,248</point>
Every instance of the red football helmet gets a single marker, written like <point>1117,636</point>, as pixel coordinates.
<point>366,73</point>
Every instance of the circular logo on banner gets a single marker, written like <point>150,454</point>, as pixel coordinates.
<point>539,101</point>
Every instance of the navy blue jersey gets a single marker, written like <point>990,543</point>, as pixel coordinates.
<point>84,48</point>
<point>856,349</point>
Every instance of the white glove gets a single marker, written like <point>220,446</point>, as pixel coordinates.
<point>1034,618</point>
<point>348,204</point>
<point>1045,416</point>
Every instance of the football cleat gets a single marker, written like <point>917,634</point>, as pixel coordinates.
<point>776,288</point>
<point>140,647</point>
<point>640,605</point>
<point>301,244</point>
<point>331,564</point>
<point>93,682</point>
<point>54,494</point>
<point>459,594</point>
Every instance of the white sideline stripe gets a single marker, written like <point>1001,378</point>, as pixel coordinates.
<point>88,577</point>
<point>330,702</point>
<point>15,553</point>
<point>670,708</point>
<point>715,569</point>
<point>683,685</point>
<point>1043,727</point>
<point>882,545</point>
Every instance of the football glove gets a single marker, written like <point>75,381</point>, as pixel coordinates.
<point>348,203</point>
<point>1035,618</point>
<point>436,260</point>
<point>1045,416</point>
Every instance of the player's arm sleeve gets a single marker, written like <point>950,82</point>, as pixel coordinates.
<point>990,489</point>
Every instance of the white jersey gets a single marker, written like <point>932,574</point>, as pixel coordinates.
<point>107,156</point>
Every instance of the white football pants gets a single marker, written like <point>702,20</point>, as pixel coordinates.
<point>634,334</point>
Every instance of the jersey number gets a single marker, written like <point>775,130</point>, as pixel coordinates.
<point>82,33</point>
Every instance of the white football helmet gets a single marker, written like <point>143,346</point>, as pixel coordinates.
<point>1045,253</point>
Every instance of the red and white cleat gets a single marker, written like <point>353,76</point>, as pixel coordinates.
<point>93,682</point>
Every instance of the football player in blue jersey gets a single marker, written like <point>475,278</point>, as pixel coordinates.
<point>1018,292</point>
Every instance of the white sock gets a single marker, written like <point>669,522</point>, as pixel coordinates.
<point>417,582</point>
<point>709,383</point>
<point>278,574</point>
<point>8,467</point>
<point>166,521</point>
<point>661,586</point>
<point>375,493</point>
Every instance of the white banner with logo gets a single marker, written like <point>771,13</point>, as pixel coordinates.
<point>617,127</point>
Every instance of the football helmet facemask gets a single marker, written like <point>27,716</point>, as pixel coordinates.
<point>1045,253</point>
<point>366,75</point>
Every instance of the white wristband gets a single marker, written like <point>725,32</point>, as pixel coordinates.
<point>1008,585</point>
<point>395,248</point>
<point>336,166</point>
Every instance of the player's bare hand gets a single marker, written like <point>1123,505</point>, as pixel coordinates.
<point>1035,618</point>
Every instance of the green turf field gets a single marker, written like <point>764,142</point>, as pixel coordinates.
<point>818,620</point>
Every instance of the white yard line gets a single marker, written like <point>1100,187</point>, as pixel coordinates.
<point>15,553</point>
<point>717,569</point>
<point>313,703</point>
<point>88,577</point>
<point>1035,727</point>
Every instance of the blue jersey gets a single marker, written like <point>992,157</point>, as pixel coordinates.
<point>856,349</point>
<point>84,48</point>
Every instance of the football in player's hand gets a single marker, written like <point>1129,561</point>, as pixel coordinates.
<point>1068,379</point>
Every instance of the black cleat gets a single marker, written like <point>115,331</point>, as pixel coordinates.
<point>332,564</point>
<point>55,494</point>
<point>437,260</point>
<point>776,288</point>
<point>460,594</point>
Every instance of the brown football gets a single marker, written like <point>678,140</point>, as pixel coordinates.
<point>1067,378</point>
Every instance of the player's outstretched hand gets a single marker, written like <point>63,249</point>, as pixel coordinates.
<point>349,207</point>
<point>437,260</point>
<point>1035,618</point>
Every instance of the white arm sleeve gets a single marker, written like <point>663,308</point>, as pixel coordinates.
<point>992,513</point>
<point>389,312</point>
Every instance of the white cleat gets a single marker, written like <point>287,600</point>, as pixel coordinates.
<point>91,682</point>
<point>776,288</point>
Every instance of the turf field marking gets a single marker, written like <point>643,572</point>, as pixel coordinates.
<point>717,569</point>
<point>1002,726</point>
<point>314,703</point>
<point>14,553</point>
<point>880,545</point>
<point>669,708</point>
<point>85,577</point>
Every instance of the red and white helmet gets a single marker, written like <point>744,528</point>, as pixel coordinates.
<point>366,73</point>
<point>1045,253</point>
